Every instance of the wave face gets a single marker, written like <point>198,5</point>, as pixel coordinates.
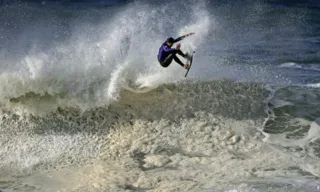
<point>85,63</point>
<point>245,119</point>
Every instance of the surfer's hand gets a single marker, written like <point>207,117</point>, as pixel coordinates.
<point>178,47</point>
<point>188,34</point>
<point>186,66</point>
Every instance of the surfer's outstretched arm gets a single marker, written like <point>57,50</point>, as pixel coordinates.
<point>182,37</point>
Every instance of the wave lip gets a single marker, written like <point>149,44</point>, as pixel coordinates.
<point>314,85</point>
<point>309,67</point>
<point>290,65</point>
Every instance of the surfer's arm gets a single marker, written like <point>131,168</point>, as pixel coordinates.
<point>182,37</point>
<point>168,49</point>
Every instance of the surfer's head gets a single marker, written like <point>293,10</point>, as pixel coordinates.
<point>170,41</point>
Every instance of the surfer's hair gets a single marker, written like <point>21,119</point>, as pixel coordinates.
<point>170,40</point>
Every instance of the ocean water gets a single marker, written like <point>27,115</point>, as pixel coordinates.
<point>246,119</point>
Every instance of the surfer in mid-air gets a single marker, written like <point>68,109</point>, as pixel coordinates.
<point>167,54</point>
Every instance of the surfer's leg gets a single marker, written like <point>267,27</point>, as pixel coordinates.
<point>176,59</point>
<point>171,57</point>
<point>181,53</point>
<point>186,56</point>
<point>167,61</point>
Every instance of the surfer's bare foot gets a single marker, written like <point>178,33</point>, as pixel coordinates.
<point>186,66</point>
<point>187,56</point>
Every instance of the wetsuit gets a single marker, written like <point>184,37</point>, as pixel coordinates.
<point>167,54</point>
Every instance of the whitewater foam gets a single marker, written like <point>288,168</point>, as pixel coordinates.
<point>315,85</point>
<point>195,154</point>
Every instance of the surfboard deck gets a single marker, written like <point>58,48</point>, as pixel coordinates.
<point>191,59</point>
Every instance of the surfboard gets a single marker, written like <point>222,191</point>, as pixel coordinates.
<point>191,59</point>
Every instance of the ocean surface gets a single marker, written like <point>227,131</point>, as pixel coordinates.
<point>246,118</point>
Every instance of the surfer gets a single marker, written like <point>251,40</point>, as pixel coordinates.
<point>167,54</point>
